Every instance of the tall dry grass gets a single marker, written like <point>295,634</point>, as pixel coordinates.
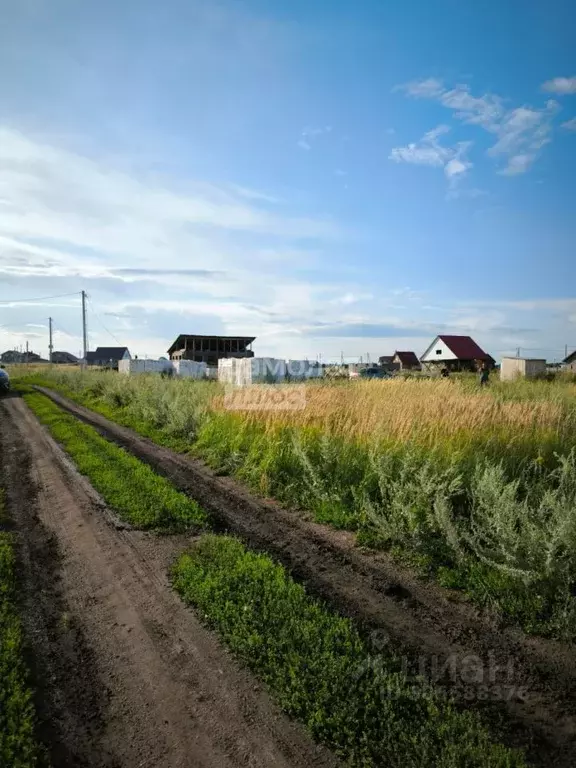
<point>404,409</point>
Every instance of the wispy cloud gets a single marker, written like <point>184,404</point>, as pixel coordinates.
<point>422,88</point>
<point>70,222</point>
<point>429,151</point>
<point>309,134</point>
<point>570,125</point>
<point>561,85</point>
<point>520,132</point>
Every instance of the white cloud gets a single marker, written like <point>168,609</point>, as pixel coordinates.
<point>69,222</point>
<point>55,194</point>
<point>428,151</point>
<point>423,88</point>
<point>455,167</point>
<point>570,125</point>
<point>561,85</point>
<point>521,132</point>
<point>486,110</point>
<point>352,298</point>
<point>517,164</point>
<point>310,133</point>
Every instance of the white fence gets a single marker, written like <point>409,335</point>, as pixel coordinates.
<point>239,371</point>
<point>242,372</point>
<point>189,369</point>
<point>144,366</point>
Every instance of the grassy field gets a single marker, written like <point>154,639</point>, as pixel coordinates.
<point>321,671</point>
<point>475,488</point>
<point>18,747</point>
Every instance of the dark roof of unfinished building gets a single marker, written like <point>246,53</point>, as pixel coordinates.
<point>182,336</point>
<point>465,348</point>
<point>107,353</point>
<point>407,358</point>
<point>571,358</point>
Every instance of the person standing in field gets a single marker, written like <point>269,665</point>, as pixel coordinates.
<point>484,374</point>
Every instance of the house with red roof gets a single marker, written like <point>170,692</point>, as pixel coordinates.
<point>407,361</point>
<point>457,353</point>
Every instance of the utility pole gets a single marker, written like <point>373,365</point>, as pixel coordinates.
<point>84,332</point>
<point>50,345</point>
<point>27,358</point>
<point>565,351</point>
<point>517,351</point>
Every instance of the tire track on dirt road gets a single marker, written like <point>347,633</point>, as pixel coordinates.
<point>420,619</point>
<point>128,677</point>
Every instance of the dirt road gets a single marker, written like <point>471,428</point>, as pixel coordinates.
<point>127,676</point>
<point>527,682</point>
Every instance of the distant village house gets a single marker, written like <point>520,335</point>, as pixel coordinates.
<point>108,357</point>
<point>456,353</point>
<point>407,361</point>
<point>399,361</point>
<point>570,362</point>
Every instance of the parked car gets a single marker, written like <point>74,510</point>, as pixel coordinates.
<point>4,381</point>
<point>374,373</point>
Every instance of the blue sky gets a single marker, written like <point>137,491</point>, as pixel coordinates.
<point>334,178</point>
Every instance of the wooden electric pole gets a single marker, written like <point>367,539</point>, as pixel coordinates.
<point>50,345</point>
<point>84,331</point>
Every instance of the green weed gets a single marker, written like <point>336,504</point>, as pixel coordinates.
<point>18,747</point>
<point>323,673</point>
<point>138,494</point>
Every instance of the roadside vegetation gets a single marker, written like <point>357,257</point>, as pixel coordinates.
<point>474,488</point>
<point>322,672</point>
<point>18,747</point>
<point>139,495</point>
<point>314,662</point>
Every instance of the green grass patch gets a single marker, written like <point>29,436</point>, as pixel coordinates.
<point>18,747</point>
<point>322,672</point>
<point>136,492</point>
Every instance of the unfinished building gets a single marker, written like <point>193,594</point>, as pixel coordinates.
<point>210,349</point>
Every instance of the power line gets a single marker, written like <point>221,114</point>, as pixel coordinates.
<point>102,323</point>
<point>40,298</point>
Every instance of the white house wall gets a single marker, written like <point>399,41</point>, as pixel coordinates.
<point>445,355</point>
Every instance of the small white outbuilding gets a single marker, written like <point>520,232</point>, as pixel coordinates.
<point>521,368</point>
